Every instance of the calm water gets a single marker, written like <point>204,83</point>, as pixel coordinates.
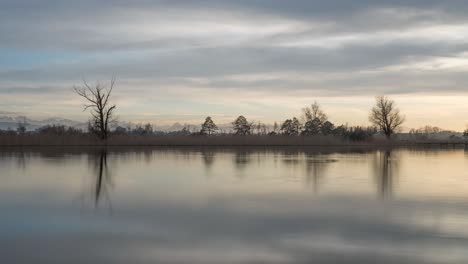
<point>233,206</point>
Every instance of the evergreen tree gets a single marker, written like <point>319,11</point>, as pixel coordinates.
<point>209,127</point>
<point>291,127</point>
<point>241,126</point>
<point>312,127</point>
<point>327,128</point>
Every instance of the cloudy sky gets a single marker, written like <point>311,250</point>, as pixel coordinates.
<point>178,61</point>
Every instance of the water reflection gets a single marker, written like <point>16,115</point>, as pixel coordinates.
<point>167,211</point>
<point>208,158</point>
<point>103,178</point>
<point>316,166</point>
<point>21,160</point>
<point>385,169</point>
<point>242,158</point>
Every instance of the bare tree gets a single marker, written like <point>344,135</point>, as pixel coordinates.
<point>97,100</point>
<point>386,116</point>
<point>314,112</point>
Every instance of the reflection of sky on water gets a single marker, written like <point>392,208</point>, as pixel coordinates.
<point>225,206</point>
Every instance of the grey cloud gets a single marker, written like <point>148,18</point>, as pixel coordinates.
<point>349,46</point>
<point>353,69</point>
<point>92,25</point>
<point>30,90</point>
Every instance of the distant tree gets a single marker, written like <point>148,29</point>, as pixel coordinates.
<point>58,130</point>
<point>189,128</point>
<point>327,128</point>
<point>291,127</point>
<point>275,127</point>
<point>241,126</point>
<point>428,130</point>
<point>465,133</point>
<point>21,129</point>
<point>119,130</point>
<point>386,116</point>
<point>260,128</point>
<point>7,132</point>
<point>148,129</point>
<point>314,112</point>
<point>359,133</point>
<point>297,124</point>
<point>183,132</point>
<point>209,127</point>
<point>340,130</point>
<point>356,133</point>
<point>186,130</point>
<point>143,130</point>
<point>311,127</point>
<point>97,100</point>
<point>93,128</point>
<point>257,127</point>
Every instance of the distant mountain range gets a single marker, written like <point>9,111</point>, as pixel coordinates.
<point>11,121</point>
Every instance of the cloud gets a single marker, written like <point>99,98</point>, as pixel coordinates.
<point>331,48</point>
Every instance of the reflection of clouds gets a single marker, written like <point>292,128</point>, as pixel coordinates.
<point>167,216</point>
<point>273,229</point>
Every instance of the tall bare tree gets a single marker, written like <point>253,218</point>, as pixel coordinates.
<point>314,112</point>
<point>386,116</point>
<point>97,100</point>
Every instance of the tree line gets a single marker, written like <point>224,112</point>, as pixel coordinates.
<point>384,117</point>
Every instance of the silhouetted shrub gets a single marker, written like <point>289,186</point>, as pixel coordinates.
<point>58,130</point>
<point>358,133</point>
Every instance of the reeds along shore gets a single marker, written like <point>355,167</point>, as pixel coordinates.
<point>218,140</point>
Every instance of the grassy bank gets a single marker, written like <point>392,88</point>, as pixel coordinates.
<point>221,140</point>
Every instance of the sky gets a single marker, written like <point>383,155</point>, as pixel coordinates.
<point>180,61</point>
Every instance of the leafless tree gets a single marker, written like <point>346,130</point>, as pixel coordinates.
<point>97,100</point>
<point>314,112</point>
<point>386,116</point>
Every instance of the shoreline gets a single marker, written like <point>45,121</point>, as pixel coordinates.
<point>228,141</point>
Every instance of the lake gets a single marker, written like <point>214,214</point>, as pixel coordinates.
<point>233,206</point>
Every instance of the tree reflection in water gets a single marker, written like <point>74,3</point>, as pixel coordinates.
<point>385,168</point>
<point>242,159</point>
<point>208,157</point>
<point>103,179</point>
<point>315,169</point>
